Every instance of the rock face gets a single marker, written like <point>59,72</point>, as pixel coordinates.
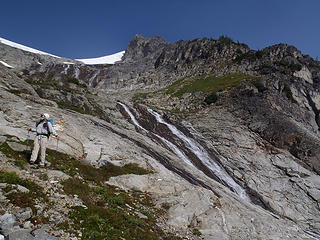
<point>262,133</point>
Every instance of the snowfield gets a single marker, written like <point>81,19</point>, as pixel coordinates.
<point>110,59</point>
<point>28,49</point>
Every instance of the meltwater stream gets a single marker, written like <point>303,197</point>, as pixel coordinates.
<point>203,155</point>
<point>173,147</point>
<point>194,147</point>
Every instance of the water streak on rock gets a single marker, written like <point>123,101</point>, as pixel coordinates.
<point>76,72</point>
<point>313,234</point>
<point>93,77</point>
<point>65,71</point>
<point>173,147</point>
<point>203,155</point>
<point>164,161</point>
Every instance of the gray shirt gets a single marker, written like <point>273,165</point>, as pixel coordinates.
<point>43,127</point>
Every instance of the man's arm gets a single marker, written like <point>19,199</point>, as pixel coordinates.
<point>52,130</point>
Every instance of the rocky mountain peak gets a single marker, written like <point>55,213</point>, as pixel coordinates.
<point>141,47</point>
<point>283,50</point>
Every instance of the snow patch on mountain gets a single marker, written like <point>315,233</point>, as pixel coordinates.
<point>110,59</point>
<point>22,47</point>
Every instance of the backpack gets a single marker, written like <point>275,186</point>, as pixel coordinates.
<point>45,124</point>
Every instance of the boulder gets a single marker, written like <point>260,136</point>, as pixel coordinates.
<point>24,214</point>
<point>7,223</point>
<point>304,74</point>
<point>27,225</point>
<point>3,139</point>
<point>22,188</point>
<point>57,175</point>
<point>17,146</point>
<point>21,234</point>
<point>41,234</point>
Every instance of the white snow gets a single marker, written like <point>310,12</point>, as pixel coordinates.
<point>110,59</point>
<point>22,47</point>
<point>6,64</point>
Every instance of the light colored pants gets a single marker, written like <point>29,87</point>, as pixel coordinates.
<point>39,142</point>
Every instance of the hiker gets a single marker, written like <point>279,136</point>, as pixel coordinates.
<point>43,130</point>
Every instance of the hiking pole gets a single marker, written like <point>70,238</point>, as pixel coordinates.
<point>57,144</point>
<point>28,139</point>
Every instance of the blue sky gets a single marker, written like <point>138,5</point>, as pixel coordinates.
<point>83,29</point>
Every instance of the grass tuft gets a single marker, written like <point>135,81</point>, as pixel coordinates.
<point>207,84</point>
<point>23,199</point>
<point>110,213</point>
<point>196,232</point>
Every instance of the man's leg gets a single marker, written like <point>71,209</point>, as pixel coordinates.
<point>43,145</point>
<point>35,150</point>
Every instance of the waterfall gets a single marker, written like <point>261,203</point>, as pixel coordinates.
<point>173,147</point>
<point>65,71</point>
<point>133,119</point>
<point>194,147</point>
<point>203,156</point>
<point>77,72</point>
<point>93,77</point>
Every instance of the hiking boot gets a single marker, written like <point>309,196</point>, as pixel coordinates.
<point>47,164</point>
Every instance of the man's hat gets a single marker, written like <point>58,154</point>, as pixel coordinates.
<point>45,115</point>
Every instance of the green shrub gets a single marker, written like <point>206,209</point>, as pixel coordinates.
<point>250,56</point>
<point>266,69</point>
<point>212,98</point>
<point>73,80</point>
<point>295,67</point>
<point>135,221</point>
<point>96,221</point>
<point>225,40</point>
<point>22,199</point>
<point>239,52</point>
<point>9,177</point>
<point>288,93</point>
<point>166,206</point>
<point>148,214</point>
<point>283,63</point>
<point>19,157</point>
<point>259,54</point>
<point>289,66</point>
<point>259,85</point>
<point>21,163</point>
<point>117,200</point>
<point>196,232</point>
<point>77,82</point>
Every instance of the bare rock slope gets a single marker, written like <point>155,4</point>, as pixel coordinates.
<point>229,137</point>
